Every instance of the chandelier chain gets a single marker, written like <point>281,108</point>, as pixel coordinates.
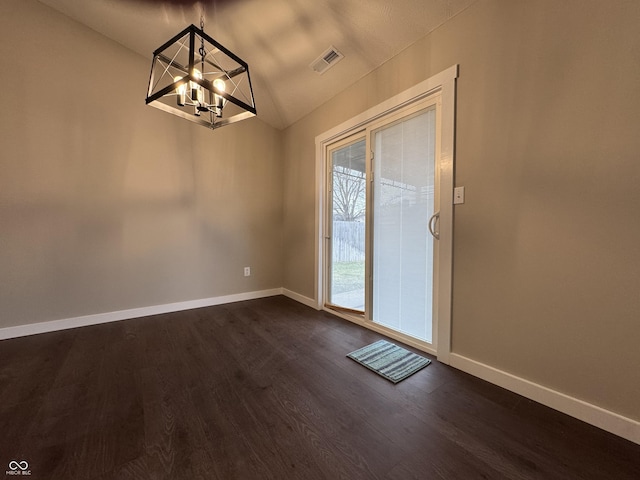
<point>202,51</point>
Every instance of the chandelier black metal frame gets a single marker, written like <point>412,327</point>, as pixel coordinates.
<point>210,86</point>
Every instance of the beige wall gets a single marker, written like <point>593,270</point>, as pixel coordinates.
<point>107,204</point>
<point>547,246</point>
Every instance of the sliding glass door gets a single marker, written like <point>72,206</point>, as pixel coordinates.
<point>382,191</point>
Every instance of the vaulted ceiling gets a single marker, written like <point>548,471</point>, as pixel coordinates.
<point>279,39</point>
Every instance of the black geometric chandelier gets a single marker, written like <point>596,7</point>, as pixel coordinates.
<point>196,78</point>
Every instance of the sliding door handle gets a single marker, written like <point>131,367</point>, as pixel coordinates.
<point>433,221</point>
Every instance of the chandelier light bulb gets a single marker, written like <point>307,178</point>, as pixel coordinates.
<point>219,84</point>
<point>182,91</point>
<point>196,90</point>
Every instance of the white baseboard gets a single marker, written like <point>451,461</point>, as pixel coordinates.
<point>309,302</point>
<point>86,320</point>
<point>587,412</point>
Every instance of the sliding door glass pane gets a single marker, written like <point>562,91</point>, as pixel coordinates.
<point>348,197</point>
<point>403,201</point>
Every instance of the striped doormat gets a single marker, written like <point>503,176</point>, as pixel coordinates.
<point>388,360</point>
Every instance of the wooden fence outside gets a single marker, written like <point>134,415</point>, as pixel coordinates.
<point>348,241</point>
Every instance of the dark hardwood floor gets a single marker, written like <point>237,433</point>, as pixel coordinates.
<point>263,390</point>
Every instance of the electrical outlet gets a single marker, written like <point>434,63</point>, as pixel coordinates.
<point>247,271</point>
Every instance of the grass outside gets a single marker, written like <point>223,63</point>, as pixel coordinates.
<point>347,277</point>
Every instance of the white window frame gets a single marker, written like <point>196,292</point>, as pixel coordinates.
<point>443,84</point>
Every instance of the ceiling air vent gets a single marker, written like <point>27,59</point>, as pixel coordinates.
<point>327,60</point>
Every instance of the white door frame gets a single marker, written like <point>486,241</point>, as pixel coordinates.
<point>442,83</point>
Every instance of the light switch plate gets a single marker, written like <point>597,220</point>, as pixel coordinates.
<point>458,195</point>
